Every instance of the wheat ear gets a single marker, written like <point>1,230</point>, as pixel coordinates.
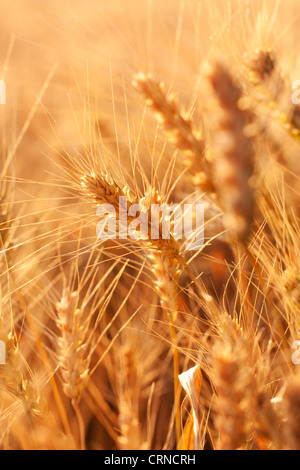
<point>72,349</point>
<point>12,378</point>
<point>236,391</point>
<point>271,87</point>
<point>179,129</point>
<point>235,164</point>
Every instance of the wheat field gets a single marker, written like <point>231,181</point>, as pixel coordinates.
<point>142,344</point>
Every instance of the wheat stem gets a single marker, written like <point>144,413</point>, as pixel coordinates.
<point>80,424</point>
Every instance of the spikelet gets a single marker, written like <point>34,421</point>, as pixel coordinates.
<point>179,128</point>
<point>72,346</point>
<point>234,164</point>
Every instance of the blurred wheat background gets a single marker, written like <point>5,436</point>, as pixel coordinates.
<point>134,345</point>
